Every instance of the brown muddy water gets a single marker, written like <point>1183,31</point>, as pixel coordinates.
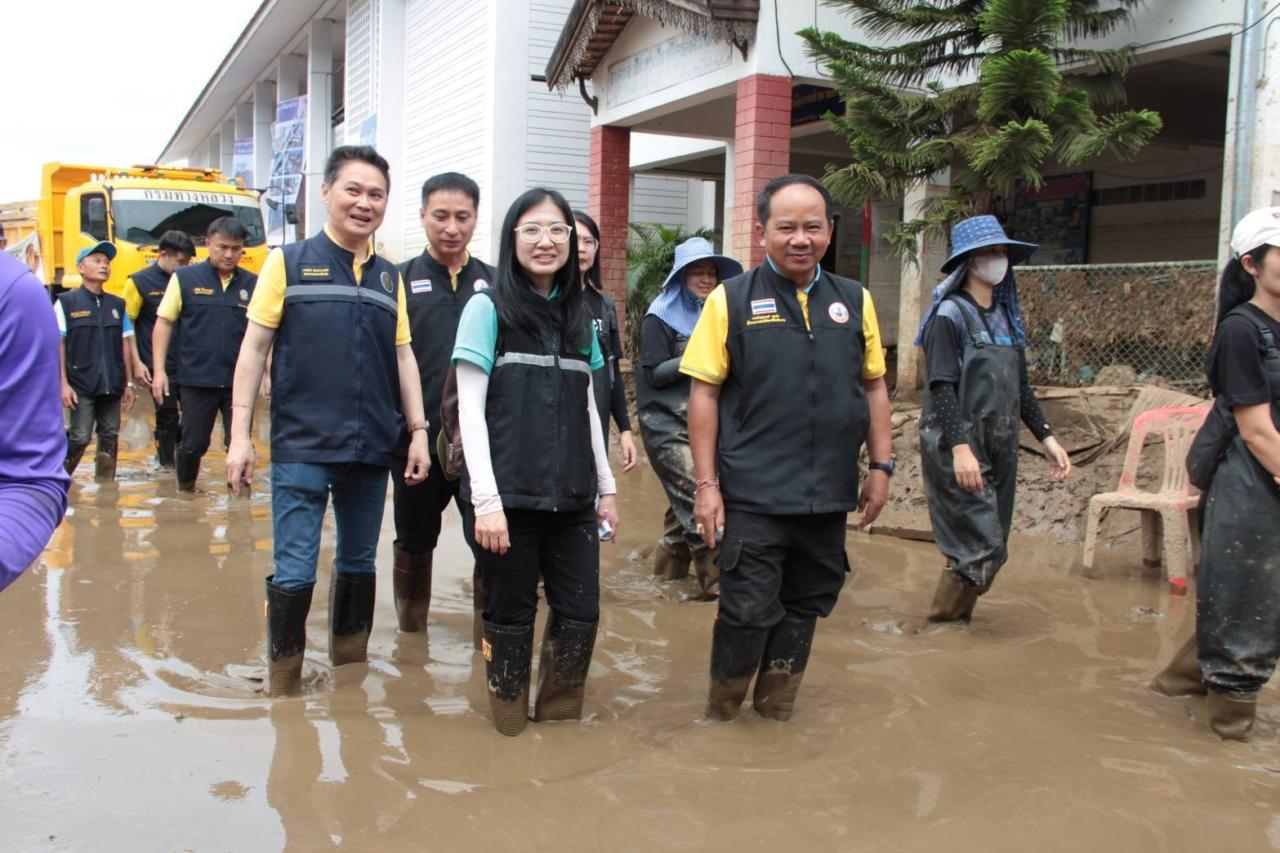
<point>128,721</point>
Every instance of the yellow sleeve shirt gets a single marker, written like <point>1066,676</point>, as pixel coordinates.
<point>707,355</point>
<point>171,304</point>
<point>266,307</point>
<point>132,299</point>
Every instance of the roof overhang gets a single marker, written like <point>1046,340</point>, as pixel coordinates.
<point>593,26</point>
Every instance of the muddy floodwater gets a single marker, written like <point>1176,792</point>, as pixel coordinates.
<point>128,719</point>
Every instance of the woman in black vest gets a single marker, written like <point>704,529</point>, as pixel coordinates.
<point>1237,639</point>
<point>977,390</point>
<point>537,479</point>
<point>611,395</point>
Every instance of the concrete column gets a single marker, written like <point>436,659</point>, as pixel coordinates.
<point>264,113</point>
<point>291,73</point>
<point>319,107</point>
<point>228,138</point>
<point>243,128</point>
<point>726,199</point>
<point>761,152</point>
<point>918,281</point>
<point>213,153</point>
<point>609,204</point>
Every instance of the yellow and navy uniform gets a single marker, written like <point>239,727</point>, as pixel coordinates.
<point>211,310</point>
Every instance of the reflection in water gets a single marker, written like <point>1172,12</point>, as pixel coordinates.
<point>126,722</point>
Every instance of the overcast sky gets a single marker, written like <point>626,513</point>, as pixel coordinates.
<point>104,82</point>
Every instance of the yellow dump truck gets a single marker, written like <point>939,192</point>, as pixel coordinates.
<point>132,207</point>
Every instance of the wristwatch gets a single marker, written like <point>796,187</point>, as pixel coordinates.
<point>887,467</point>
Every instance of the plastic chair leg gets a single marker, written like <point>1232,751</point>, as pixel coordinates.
<point>1175,549</point>
<point>1151,528</point>
<point>1092,522</point>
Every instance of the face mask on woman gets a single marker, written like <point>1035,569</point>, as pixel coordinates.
<point>990,268</point>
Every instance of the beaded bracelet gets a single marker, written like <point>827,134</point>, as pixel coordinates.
<point>707,483</point>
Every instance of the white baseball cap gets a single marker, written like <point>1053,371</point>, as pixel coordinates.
<point>1259,227</point>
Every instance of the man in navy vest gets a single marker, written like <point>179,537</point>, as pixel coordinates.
<point>97,374</point>
<point>344,384</point>
<point>143,292</point>
<point>209,302</point>
<point>788,382</point>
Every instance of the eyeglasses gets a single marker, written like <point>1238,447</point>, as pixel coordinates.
<point>532,232</point>
<point>588,242</point>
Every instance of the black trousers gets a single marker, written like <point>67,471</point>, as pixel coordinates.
<point>167,413</point>
<point>199,408</point>
<point>417,508</point>
<point>774,565</point>
<point>563,548</point>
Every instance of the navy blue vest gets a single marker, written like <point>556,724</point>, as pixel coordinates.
<point>335,381</point>
<point>95,354</point>
<point>151,282</point>
<point>213,321</point>
<point>793,412</point>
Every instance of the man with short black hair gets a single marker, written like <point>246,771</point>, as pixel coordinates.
<point>97,374</point>
<point>437,283</point>
<point>788,382</point>
<point>143,293</point>
<point>209,301</point>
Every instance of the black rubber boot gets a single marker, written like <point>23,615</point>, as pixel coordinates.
<point>477,609</point>
<point>1231,714</point>
<point>166,447</point>
<point>508,657</point>
<point>1182,677</point>
<point>74,454</point>
<point>954,598</point>
<point>104,463</point>
<point>186,469</point>
<point>670,563</point>
<point>286,637</point>
<point>411,581</point>
<point>350,617</point>
<point>707,572</point>
<point>785,657</point>
<point>562,668</point>
<point>735,656</point>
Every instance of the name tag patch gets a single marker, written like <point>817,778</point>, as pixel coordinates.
<point>763,306</point>
<point>420,285</point>
<point>202,291</point>
<point>79,315</point>
<point>315,273</point>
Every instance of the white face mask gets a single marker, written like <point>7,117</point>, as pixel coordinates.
<point>990,268</point>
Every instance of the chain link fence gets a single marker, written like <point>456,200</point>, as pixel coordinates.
<point>1119,324</point>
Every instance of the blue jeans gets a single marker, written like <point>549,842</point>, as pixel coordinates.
<point>299,494</point>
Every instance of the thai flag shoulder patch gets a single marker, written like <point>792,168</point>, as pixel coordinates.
<point>763,306</point>
<point>420,285</point>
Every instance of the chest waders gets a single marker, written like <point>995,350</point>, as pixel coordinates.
<point>1238,605</point>
<point>972,528</point>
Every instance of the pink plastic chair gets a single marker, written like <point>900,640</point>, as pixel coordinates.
<point>1171,511</point>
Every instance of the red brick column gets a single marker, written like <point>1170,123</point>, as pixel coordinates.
<point>609,203</point>
<point>761,152</point>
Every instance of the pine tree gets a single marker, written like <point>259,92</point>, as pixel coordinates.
<point>1026,94</point>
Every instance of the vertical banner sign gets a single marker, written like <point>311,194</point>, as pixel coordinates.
<point>288,145</point>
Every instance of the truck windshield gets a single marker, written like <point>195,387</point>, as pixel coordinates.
<point>143,221</point>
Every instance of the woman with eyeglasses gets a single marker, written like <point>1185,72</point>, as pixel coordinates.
<point>611,396</point>
<point>536,482</point>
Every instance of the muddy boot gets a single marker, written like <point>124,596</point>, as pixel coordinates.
<point>735,655</point>
<point>412,584</point>
<point>74,453</point>
<point>953,600</point>
<point>1231,714</point>
<point>1182,677</point>
<point>782,667</point>
<point>669,563</point>
<point>477,609</point>
<point>104,463</point>
<point>286,637</point>
<point>562,668</point>
<point>508,657</point>
<point>707,572</point>
<point>186,469</point>
<point>166,446</point>
<point>350,617</point>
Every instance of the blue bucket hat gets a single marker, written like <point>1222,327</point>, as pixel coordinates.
<point>103,246</point>
<point>978,232</point>
<point>675,305</point>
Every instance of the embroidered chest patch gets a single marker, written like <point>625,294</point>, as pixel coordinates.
<point>763,306</point>
<point>420,285</point>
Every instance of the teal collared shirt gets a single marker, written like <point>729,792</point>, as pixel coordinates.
<point>477,339</point>
<point>817,273</point>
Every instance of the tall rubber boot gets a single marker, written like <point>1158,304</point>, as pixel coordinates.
<point>186,469</point>
<point>350,617</point>
<point>735,655</point>
<point>785,657</point>
<point>953,600</point>
<point>166,446</point>
<point>562,668</point>
<point>286,637</point>
<point>478,599</point>
<point>668,563</point>
<point>412,584</point>
<point>104,463</point>
<point>707,572</point>
<point>1182,677</point>
<point>1231,714</point>
<point>508,657</point>
<point>74,454</point>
